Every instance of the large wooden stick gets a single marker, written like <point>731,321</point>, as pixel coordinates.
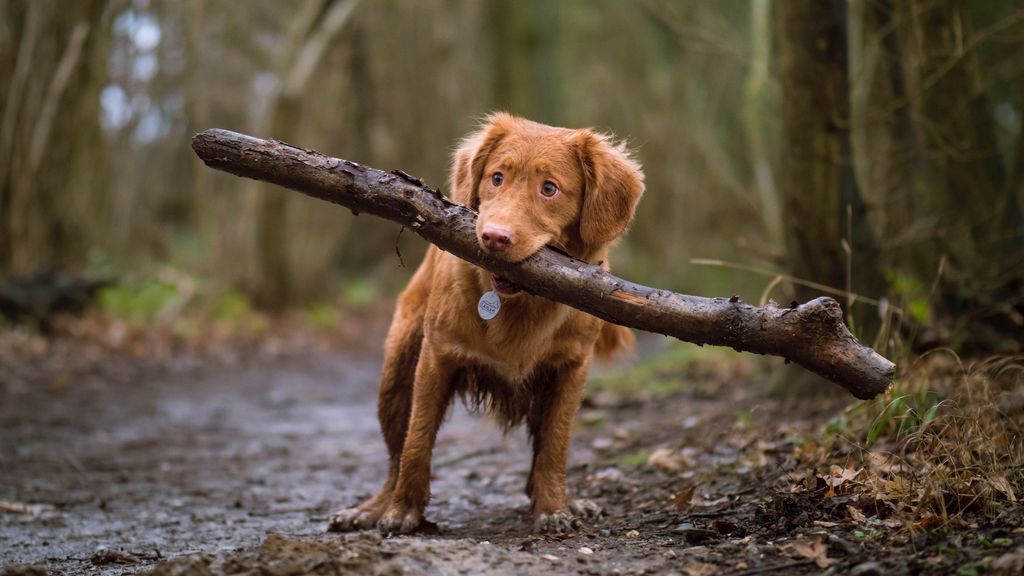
<point>813,334</point>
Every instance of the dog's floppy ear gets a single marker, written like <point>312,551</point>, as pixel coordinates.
<point>471,158</point>
<point>613,184</point>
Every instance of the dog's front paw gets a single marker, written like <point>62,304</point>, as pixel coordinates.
<point>586,509</point>
<point>399,519</point>
<point>351,519</point>
<point>556,523</point>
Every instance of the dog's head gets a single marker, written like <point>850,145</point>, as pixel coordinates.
<point>535,185</point>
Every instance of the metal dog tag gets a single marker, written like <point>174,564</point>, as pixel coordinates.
<point>488,305</point>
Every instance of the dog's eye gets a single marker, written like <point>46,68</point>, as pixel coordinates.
<point>497,178</point>
<point>548,190</point>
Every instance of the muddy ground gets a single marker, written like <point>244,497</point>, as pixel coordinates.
<point>214,467</point>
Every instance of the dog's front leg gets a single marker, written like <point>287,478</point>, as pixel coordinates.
<point>432,392</point>
<point>552,432</point>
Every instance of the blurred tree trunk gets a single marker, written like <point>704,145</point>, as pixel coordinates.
<point>525,42</point>
<point>828,239</point>
<point>49,122</point>
<point>754,111</point>
<point>1017,179</point>
<point>315,28</point>
<point>964,188</point>
<point>208,208</point>
<point>884,140</point>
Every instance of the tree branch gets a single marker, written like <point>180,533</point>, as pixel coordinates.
<point>812,334</point>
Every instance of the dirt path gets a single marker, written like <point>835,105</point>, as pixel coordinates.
<point>234,470</point>
<point>176,464</point>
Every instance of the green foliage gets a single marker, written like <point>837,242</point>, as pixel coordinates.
<point>323,317</point>
<point>231,307</point>
<point>969,569</point>
<point>902,415</point>
<point>359,292</point>
<point>909,289</point>
<point>668,371</point>
<point>141,302</point>
<point>234,310</point>
<point>633,460</point>
<point>837,425</point>
<point>895,415</point>
<point>743,417</point>
<point>867,533</point>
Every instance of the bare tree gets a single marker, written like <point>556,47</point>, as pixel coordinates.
<point>964,188</point>
<point>828,238</point>
<point>48,126</point>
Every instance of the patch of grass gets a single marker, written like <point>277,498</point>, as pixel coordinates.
<point>743,417</point>
<point>946,440</point>
<point>674,369</point>
<point>139,302</point>
<point>323,317</point>
<point>900,411</point>
<point>359,292</point>
<point>235,313</point>
<point>181,303</point>
<point>632,460</point>
<point>231,307</point>
<point>970,569</point>
<point>867,533</point>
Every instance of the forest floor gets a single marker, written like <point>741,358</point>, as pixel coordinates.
<point>230,464</point>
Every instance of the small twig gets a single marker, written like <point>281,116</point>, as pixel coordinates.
<point>799,281</point>
<point>709,513</point>
<point>398,250</point>
<point>74,462</point>
<point>771,568</point>
<point>464,456</point>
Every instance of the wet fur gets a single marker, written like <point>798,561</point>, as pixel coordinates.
<point>528,364</point>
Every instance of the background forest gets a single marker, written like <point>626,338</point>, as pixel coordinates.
<point>871,149</point>
<point>216,402</point>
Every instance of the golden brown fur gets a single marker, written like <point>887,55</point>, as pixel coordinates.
<point>529,363</point>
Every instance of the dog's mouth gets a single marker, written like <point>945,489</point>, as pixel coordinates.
<point>503,285</point>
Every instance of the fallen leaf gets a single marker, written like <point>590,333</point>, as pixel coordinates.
<point>666,459</point>
<point>883,462</point>
<point>892,523</point>
<point>700,569</point>
<point>817,551</point>
<point>898,486</point>
<point>1000,483</point>
<point>681,500</point>
<point>839,475</point>
<point>856,515</point>
<point>928,522</point>
<point>1009,563</point>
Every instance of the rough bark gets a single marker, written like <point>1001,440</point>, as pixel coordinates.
<point>823,209</point>
<point>812,334</point>
<point>312,33</point>
<point>46,121</point>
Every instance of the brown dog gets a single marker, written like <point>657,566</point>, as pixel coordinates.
<point>533,185</point>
